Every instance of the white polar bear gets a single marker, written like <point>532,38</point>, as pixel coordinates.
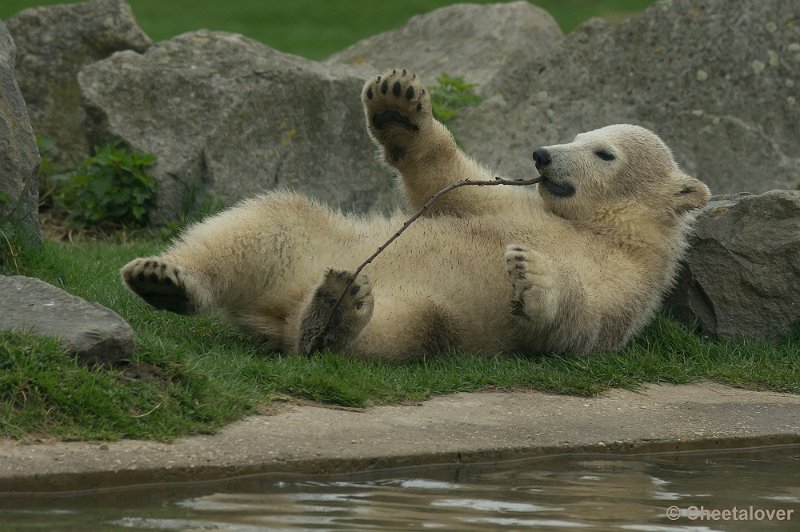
<point>578,267</point>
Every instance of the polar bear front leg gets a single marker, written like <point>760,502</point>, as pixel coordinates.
<point>537,294</point>
<point>400,121</point>
<point>553,298</point>
<point>324,325</point>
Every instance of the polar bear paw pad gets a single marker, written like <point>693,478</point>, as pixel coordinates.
<point>396,101</point>
<point>337,312</point>
<point>159,283</point>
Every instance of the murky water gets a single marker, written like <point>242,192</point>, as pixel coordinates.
<point>759,489</point>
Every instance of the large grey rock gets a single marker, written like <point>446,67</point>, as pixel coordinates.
<point>718,80</point>
<point>53,43</point>
<point>19,158</point>
<point>92,332</point>
<point>228,116</point>
<point>477,43</point>
<point>742,274</point>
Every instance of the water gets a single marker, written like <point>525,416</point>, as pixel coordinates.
<point>570,492</point>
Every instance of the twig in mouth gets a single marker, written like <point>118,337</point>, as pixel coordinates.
<point>407,223</point>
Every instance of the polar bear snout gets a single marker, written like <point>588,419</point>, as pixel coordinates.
<point>541,157</point>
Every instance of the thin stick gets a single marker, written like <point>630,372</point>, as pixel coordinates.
<point>407,223</point>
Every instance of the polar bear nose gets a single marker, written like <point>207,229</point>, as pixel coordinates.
<point>541,157</point>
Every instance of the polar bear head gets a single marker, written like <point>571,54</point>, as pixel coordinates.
<point>613,167</point>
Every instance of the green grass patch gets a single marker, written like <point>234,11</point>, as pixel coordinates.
<point>194,375</point>
<point>316,28</point>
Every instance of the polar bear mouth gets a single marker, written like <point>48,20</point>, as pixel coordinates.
<point>557,189</point>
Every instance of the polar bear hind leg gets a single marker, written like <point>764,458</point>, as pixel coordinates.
<point>165,285</point>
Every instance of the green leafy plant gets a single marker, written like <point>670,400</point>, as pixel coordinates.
<point>110,188</point>
<point>450,96</point>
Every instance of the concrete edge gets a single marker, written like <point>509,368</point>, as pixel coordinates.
<point>49,484</point>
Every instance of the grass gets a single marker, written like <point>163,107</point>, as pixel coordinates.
<point>316,28</point>
<point>194,375</point>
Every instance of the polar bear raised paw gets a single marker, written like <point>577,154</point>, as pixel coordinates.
<point>398,109</point>
<point>535,282</point>
<point>336,312</point>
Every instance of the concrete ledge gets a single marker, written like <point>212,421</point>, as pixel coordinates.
<point>464,427</point>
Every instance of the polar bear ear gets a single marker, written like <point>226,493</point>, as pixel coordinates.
<point>688,193</point>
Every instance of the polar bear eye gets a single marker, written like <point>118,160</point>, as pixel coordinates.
<point>605,155</point>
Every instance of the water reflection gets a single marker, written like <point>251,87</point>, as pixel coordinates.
<point>558,493</point>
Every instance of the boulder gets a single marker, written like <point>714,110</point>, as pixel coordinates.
<point>92,332</point>
<point>741,275</point>
<point>229,117</point>
<point>718,80</point>
<point>478,43</point>
<point>19,158</point>
<point>53,43</point>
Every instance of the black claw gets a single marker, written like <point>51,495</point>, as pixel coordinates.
<point>405,72</point>
<point>409,92</point>
<point>378,80</point>
<point>384,86</point>
<point>148,263</point>
<point>517,248</point>
<point>397,88</point>
<point>369,93</point>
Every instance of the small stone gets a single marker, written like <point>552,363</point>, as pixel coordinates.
<point>702,75</point>
<point>697,112</point>
<point>791,100</point>
<point>794,47</point>
<point>757,66</point>
<point>90,331</point>
<point>789,83</point>
<point>771,27</point>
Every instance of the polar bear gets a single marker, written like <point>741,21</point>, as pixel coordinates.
<point>577,265</point>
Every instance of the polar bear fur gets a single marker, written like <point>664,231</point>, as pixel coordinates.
<point>577,266</point>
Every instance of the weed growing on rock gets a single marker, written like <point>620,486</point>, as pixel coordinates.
<point>450,96</point>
